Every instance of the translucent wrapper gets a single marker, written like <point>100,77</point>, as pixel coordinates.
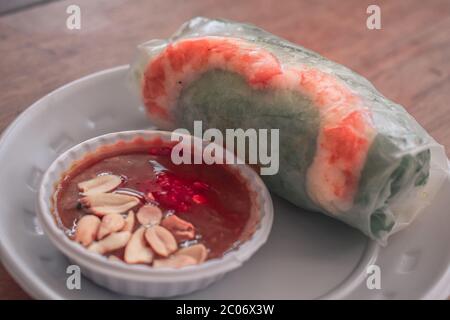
<point>345,150</point>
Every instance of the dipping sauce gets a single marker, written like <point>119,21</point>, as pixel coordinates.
<point>211,198</point>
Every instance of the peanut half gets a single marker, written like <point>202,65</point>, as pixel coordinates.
<point>197,251</point>
<point>100,184</point>
<point>87,228</point>
<point>110,243</point>
<point>161,240</point>
<point>181,229</point>
<point>107,203</point>
<point>149,215</point>
<point>110,223</point>
<point>137,250</point>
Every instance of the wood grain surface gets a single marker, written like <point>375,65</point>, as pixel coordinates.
<point>407,60</point>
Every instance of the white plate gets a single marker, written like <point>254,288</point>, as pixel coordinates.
<point>308,255</point>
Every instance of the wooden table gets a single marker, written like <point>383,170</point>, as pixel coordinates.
<point>408,59</point>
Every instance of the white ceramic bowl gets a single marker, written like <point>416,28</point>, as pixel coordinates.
<point>141,280</point>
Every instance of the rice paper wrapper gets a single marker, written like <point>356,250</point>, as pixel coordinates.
<point>398,175</point>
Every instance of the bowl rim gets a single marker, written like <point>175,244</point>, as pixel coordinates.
<point>140,272</point>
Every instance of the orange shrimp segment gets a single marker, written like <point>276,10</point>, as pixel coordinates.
<point>153,86</point>
<point>343,142</point>
<point>345,150</point>
<point>189,52</point>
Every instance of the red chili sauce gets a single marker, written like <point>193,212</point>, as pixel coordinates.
<point>211,197</point>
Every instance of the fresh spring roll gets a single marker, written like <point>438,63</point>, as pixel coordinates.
<point>345,150</point>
